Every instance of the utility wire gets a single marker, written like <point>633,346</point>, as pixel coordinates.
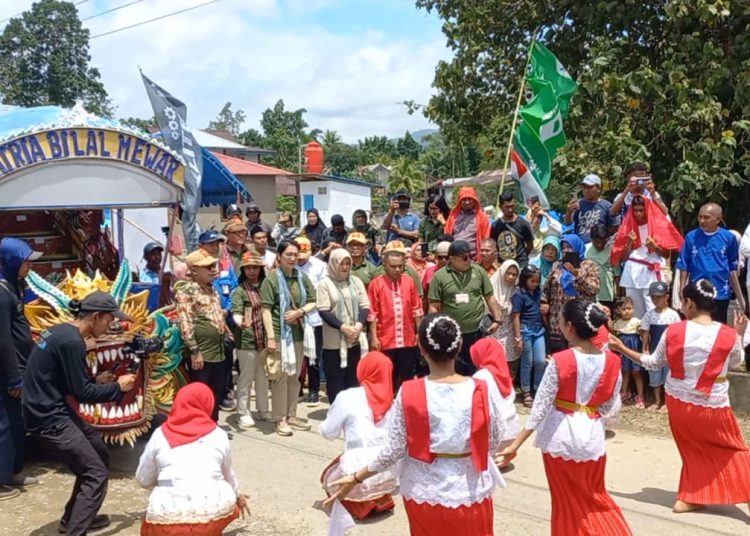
<point>22,12</point>
<point>153,20</point>
<point>112,10</point>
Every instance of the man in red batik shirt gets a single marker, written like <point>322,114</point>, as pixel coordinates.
<point>395,313</point>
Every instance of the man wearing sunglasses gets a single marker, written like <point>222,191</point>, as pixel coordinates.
<point>461,290</point>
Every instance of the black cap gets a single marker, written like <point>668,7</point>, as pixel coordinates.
<point>459,247</point>
<point>402,193</point>
<point>152,246</point>
<point>101,302</point>
<point>337,219</point>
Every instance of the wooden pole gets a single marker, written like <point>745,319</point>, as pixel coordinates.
<point>506,169</point>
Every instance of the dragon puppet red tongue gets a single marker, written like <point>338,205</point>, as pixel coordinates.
<point>113,358</point>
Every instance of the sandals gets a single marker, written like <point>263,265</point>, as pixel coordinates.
<point>528,400</point>
<point>640,403</point>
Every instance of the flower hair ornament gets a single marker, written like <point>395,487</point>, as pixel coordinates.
<point>710,294</point>
<point>434,343</point>
<point>587,318</point>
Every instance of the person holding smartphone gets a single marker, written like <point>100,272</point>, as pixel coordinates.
<point>639,182</point>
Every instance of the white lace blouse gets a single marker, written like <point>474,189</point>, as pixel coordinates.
<point>574,436</point>
<point>451,482</point>
<point>351,415</point>
<point>506,405</point>
<point>699,340</point>
<point>192,483</point>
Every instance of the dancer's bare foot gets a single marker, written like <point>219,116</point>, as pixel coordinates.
<point>681,507</point>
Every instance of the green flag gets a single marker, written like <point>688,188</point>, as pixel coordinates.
<point>534,154</point>
<point>545,66</point>
<point>542,115</point>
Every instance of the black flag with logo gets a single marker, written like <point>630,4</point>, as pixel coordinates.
<point>171,114</point>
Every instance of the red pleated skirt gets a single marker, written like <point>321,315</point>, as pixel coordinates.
<point>715,458</point>
<point>428,520</point>
<point>213,528</point>
<point>580,504</point>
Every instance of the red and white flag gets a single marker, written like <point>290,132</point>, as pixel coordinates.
<point>530,188</point>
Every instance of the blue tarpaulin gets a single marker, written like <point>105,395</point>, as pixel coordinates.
<point>219,185</point>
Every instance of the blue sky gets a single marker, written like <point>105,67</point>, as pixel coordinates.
<point>348,62</point>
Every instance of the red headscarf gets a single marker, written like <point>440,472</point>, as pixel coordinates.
<point>374,373</point>
<point>190,418</point>
<point>660,230</point>
<point>483,222</point>
<point>489,354</point>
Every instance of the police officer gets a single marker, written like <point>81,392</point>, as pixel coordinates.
<point>56,369</point>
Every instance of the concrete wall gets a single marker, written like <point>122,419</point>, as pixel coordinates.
<point>333,197</point>
<point>739,392</point>
<point>263,190</point>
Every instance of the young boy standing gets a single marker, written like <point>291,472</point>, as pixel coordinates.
<point>653,325</point>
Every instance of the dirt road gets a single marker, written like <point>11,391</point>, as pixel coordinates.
<point>282,477</point>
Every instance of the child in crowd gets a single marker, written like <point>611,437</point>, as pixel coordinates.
<point>653,326</point>
<point>628,329</point>
<point>528,329</point>
<point>599,251</point>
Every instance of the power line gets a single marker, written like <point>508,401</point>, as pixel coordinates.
<point>112,10</point>
<point>153,20</point>
<point>22,12</point>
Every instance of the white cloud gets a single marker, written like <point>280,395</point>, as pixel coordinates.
<point>244,51</point>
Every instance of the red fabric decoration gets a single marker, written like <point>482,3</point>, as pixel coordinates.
<point>483,222</point>
<point>660,230</point>
<point>374,373</point>
<point>567,370</point>
<point>190,418</point>
<point>414,399</point>
<point>723,345</point>
<point>489,354</point>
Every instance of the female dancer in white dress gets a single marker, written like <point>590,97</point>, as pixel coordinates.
<point>443,427</point>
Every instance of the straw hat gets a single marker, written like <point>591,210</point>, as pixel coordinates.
<point>251,258</point>
<point>200,258</point>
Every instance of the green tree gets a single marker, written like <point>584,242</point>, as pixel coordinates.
<point>252,138</point>
<point>229,120</point>
<point>330,138</point>
<point>143,124</point>
<point>663,82</point>
<point>406,175</point>
<point>374,149</point>
<point>284,132</point>
<point>44,59</point>
<point>408,147</point>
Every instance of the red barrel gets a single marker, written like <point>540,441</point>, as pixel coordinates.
<point>314,158</point>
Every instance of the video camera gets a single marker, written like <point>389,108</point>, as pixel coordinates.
<point>140,348</point>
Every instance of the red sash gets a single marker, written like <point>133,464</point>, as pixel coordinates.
<point>567,369</point>
<point>414,400</point>
<point>725,341</point>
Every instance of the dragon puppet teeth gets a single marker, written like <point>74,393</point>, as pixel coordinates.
<point>139,399</point>
<point>94,368</point>
<point>127,412</point>
<point>119,413</point>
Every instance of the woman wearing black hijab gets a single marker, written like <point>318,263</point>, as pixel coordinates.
<point>315,228</point>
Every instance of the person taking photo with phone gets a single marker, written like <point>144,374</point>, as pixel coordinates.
<point>639,182</point>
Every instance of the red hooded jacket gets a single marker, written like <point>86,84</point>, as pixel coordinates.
<point>483,222</point>
<point>660,230</point>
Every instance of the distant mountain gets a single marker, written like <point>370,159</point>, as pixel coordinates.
<point>419,135</point>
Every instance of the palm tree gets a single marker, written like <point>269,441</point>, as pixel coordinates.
<point>406,175</point>
<point>330,138</point>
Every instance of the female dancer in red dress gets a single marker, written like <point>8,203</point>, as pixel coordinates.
<point>580,386</point>
<point>699,352</point>
<point>444,428</point>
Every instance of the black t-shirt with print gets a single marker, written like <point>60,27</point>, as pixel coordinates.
<point>511,238</point>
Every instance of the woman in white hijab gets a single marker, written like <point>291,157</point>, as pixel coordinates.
<point>343,305</point>
<point>504,282</point>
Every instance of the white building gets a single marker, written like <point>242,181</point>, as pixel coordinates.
<point>332,195</point>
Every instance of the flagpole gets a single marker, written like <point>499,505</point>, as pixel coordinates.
<point>513,124</point>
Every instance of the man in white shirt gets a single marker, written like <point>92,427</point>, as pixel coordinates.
<point>316,270</point>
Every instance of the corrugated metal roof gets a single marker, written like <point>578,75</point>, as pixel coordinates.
<point>244,167</point>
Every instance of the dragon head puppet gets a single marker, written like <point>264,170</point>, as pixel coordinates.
<point>149,345</point>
